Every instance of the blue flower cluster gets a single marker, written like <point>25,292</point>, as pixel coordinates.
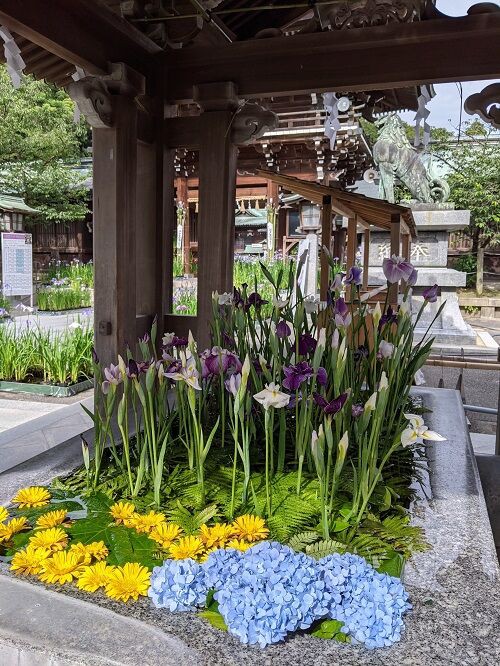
<point>369,603</point>
<point>270,590</point>
<point>178,585</point>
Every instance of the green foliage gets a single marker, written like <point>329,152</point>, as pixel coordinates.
<point>474,165</point>
<point>467,263</point>
<point>38,143</point>
<point>39,355</point>
<point>330,630</point>
<point>190,522</point>
<point>212,614</point>
<point>58,298</point>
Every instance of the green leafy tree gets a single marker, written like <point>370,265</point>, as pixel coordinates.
<point>39,146</point>
<point>473,173</point>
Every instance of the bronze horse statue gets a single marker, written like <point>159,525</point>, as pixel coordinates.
<point>395,157</point>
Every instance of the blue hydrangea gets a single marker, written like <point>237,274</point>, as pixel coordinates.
<point>370,604</point>
<point>220,565</point>
<point>178,585</point>
<point>275,591</point>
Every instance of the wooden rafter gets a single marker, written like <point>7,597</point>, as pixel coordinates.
<point>400,55</point>
<point>81,32</point>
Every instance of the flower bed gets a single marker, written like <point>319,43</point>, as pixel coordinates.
<point>37,360</point>
<point>285,461</point>
<point>70,287</point>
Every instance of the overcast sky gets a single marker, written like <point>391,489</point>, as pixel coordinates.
<point>445,107</point>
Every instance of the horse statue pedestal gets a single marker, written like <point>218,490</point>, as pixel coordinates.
<point>429,254</point>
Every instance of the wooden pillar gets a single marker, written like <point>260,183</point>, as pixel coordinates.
<point>406,246</point>
<point>352,231</point>
<point>281,228</point>
<point>395,250</point>
<point>217,192</point>
<point>326,241</point>
<point>366,258</point>
<point>182,197</point>
<point>114,208</point>
<point>273,201</point>
<point>339,243</point>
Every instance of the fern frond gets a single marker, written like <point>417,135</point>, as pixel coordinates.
<point>324,548</point>
<point>303,539</point>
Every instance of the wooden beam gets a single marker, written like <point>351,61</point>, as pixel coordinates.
<point>115,182</point>
<point>406,246</point>
<point>216,214</point>
<point>87,34</point>
<point>403,55</point>
<point>326,241</point>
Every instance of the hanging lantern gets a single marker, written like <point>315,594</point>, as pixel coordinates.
<point>310,217</point>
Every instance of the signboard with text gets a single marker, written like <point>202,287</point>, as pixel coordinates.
<point>17,264</point>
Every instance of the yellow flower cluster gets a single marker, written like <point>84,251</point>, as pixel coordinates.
<point>240,534</point>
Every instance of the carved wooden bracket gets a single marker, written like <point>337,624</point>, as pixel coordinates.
<point>486,104</point>
<point>94,94</point>
<point>216,96</point>
<point>251,122</point>
<point>368,13</point>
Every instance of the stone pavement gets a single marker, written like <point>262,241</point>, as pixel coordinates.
<point>16,412</point>
<point>55,322</point>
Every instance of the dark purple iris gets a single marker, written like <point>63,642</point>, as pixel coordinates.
<point>218,361</point>
<point>361,353</point>
<point>390,317</point>
<point>132,369</point>
<point>354,276</point>
<point>431,293</point>
<point>321,377</point>
<point>306,344</point>
<point>331,408</point>
<point>357,410</point>
<point>256,300</point>
<point>95,358</point>
<point>283,330</point>
<point>175,342</point>
<point>341,313</point>
<point>238,300</point>
<point>295,375</point>
<point>145,338</point>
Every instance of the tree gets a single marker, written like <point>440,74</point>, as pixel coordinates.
<point>474,177</point>
<point>39,146</point>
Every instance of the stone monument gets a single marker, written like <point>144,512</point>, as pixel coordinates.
<point>435,217</point>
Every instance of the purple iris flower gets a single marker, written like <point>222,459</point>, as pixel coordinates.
<point>336,284</point>
<point>132,369</point>
<point>360,353</point>
<point>354,276</point>
<point>283,330</point>
<point>396,269</point>
<point>306,344</point>
<point>174,342</point>
<point>331,408</point>
<point>256,300</point>
<point>321,377</point>
<point>219,361</point>
<point>431,293</point>
<point>145,338</point>
<point>113,376</point>
<point>389,317</point>
<point>341,313</point>
<point>233,384</point>
<point>357,410</point>
<point>95,358</point>
<point>295,375</point>
<point>228,340</point>
<point>412,280</point>
<point>238,300</point>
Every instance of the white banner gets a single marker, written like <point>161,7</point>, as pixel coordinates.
<point>17,264</point>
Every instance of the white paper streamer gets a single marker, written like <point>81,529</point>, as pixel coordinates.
<point>332,122</point>
<point>13,58</point>
<point>76,76</point>
<point>421,117</point>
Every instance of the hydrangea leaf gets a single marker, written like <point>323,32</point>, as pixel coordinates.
<point>214,618</point>
<point>331,629</point>
<point>393,565</point>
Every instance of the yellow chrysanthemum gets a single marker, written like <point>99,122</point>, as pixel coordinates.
<point>7,530</point>
<point>250,528</point>
<point>122,511</point>
<point>189,546</point>
<point>128,582</point>
<point>96,550</point>
<point>29,561</point>
<point>51,519</point>
<point>32,497</point>
<point>54,538</point>
<point>4,514</point>
<point>145,522</point>
<point>239,544</point>
<point>93,577</point>
<point>165,534</point>
<point>61,568</point>
<point>217,535</point>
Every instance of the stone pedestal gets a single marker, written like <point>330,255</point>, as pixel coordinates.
<point>429,254</point>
